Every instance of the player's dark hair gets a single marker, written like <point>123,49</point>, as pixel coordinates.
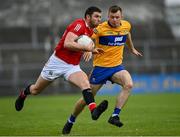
<point>114,9</point>
<point>89,11</point>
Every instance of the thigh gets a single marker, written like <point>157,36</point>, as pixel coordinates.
<point>41,84</point>
<point>122,77</point>
<point>79,79</point>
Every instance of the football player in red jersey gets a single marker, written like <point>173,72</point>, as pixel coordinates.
<point>65,62</point>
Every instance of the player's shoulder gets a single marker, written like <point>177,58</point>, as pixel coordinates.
<point>125,23</point>
<point>102,25</point>
<point>78,24</point>
<point>98,28</point>
<point>79,21</point>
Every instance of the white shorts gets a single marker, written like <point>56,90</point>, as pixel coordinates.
<point>56,68</point>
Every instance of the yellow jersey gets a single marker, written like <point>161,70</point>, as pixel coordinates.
<point>112,41</point>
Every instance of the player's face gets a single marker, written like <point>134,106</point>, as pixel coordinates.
<point>115,18</point>
<point>95,19</point>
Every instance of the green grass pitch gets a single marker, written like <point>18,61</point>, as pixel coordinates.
<point>143,115</point>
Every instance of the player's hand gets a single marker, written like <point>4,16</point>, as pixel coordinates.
<point>97,51</point>
<point>135,52</point>
<point>87,56</point>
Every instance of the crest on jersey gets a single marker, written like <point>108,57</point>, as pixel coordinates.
<point>95,30</point>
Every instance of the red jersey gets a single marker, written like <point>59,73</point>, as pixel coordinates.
<point>78,27</point>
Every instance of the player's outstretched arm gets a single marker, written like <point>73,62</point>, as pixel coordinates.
<point>131,46</point>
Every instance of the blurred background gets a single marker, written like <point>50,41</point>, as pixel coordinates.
<point>30,30</point>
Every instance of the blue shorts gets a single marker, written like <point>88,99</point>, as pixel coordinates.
<point>100,75</point>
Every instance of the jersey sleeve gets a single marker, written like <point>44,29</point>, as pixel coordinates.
<point>77,28</point>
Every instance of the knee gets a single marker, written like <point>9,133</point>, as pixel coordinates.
<point>128,86</point>
<point>85,84</point>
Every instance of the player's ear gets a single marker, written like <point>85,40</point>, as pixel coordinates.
<point>88,17</point>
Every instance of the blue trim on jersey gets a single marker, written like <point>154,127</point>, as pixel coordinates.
<point>100,75</point>
<point>115,40</point>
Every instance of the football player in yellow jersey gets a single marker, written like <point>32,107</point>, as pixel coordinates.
<point>111,36</point>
